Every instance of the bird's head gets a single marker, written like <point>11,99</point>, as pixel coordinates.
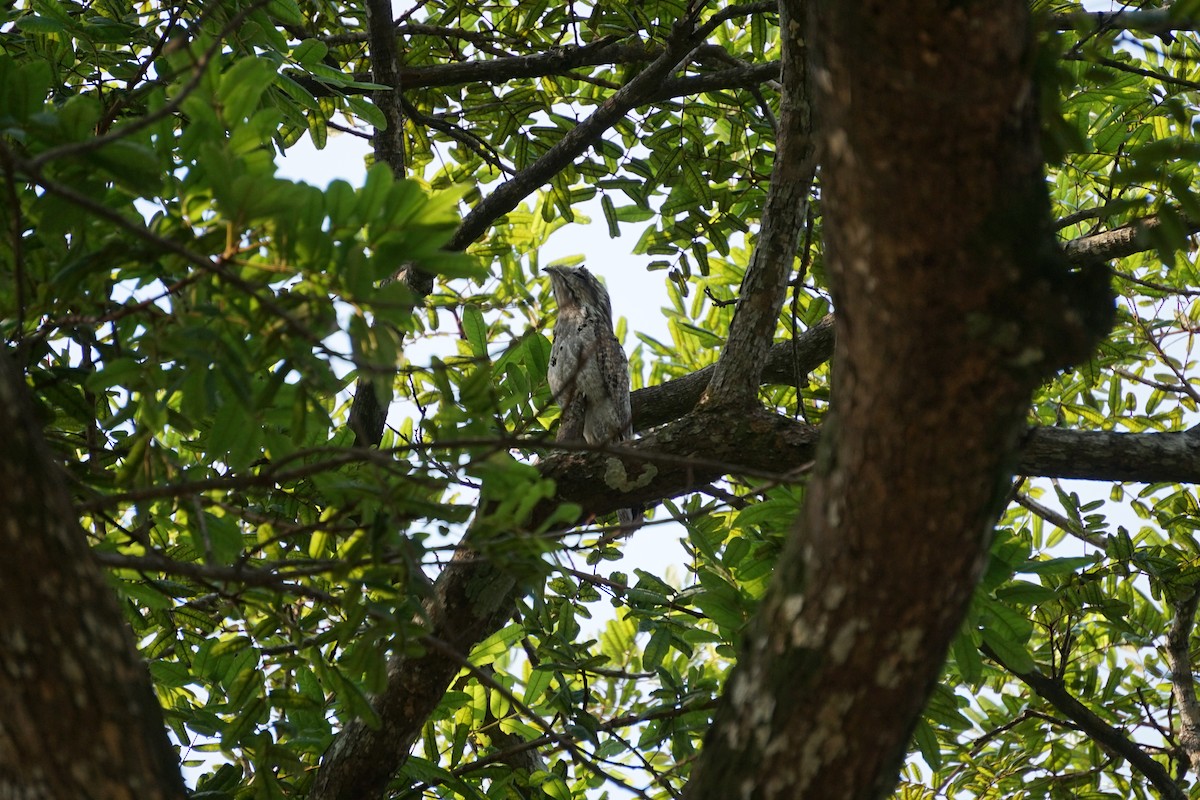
<point>575,287</point>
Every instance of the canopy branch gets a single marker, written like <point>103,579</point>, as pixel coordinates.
<point>633,94</point>
<point>1095,727</point>
<point>373,393</point>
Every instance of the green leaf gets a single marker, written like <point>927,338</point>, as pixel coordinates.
<point>286,11</point>
<point>496,645</point>
<point>243,84</point>
<point>539,681</point>
<point>131,164</point>
<point>1056,566</point>
<point>1010,651</point>
<point>368,112</point>
<point>927,743</point>
<point>118,372</point>
<point>656,649</point>
<point>475,331</point>
<point>1025,593</point>
<point>32,23</point>
<point>355,700</point>
<point>633,214</point>
<point>965,651</point>
<point>610,216</point>
<point>310,51</point>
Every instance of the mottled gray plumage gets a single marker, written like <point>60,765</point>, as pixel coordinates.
<point>589,374</point>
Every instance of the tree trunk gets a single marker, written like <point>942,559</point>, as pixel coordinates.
<point>953,303</point>
<point>80,718</point>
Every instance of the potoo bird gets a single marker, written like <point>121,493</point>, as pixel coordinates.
<point>589,374</point>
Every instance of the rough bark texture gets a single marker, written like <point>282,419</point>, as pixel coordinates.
<point>1126,240</point>
<point>1183,680</point>
<point>760,298</point>
<point>1108,456</point>
<point>80,717</point>
<point>953,301</point>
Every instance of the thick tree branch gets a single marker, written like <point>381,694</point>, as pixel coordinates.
<point>1133,237</point>
<point>736,377</point>
<point>385,70</point>
<point>682,456</point>
<point>787,363</point>
<point>1108,456</point>
<point>1043,452</point>
<point>373,392</point>
<point>1183,676</point>
<point>1096,728</point>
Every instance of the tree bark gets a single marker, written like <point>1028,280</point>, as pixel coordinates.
<point>81,719</point>
<point>1183,677</point>
<point>736,376</point>
<point>953,302</point>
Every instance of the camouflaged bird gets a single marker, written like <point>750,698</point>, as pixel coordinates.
<point>589,374</point>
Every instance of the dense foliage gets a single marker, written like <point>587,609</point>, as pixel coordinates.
<point>191,325</point>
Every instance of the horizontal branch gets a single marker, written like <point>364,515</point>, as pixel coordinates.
<point>1109,456</point>
<point>750,76</point>
<point>1133,237</point>
<point>772,445</point>
<point>556,62</point>
<point>679,458</point>
<point>607,52</point>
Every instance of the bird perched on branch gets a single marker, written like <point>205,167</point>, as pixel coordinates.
<point>588,374</point>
